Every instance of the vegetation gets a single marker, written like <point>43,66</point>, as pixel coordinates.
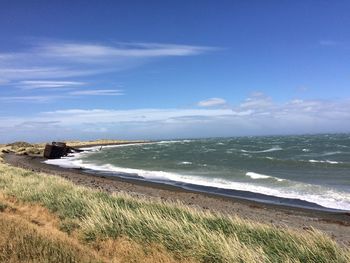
<point>73,222</point>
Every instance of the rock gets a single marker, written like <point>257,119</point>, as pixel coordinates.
<point>55,150</point>
<point>58,150</point>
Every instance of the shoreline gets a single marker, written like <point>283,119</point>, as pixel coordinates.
<point>335,224</point>
<point>244,195</point>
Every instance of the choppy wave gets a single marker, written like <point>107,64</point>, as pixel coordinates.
<point>273,149</point>
<point>331,153</point>
<point>173,141</point>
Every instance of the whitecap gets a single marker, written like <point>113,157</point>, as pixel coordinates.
<point>324,161</point>
<point>262,176</point>
<point>168,142</point>
<point>273,149</point>
<point>186,163</point>
<point>331,153</point>
<point>209,150</point>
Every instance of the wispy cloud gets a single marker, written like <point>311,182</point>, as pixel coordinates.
<point>60,59</point>
<point>4,81</point>
<point>54,66</point>
<point>257,101</point>
<point>133,50</point>
<point>13,72</point>
<point>62,95</point>
<point>27,99</point>
<point>97,92</point>
<point>136,115</point>
<point>44,84</point>
<point>212,102</point>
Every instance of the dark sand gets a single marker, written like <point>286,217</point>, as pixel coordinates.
<point>335,224</point>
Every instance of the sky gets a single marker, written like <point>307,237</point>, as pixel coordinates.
<point>172,69</point>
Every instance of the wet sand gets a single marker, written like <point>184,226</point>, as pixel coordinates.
<point>335,224</point>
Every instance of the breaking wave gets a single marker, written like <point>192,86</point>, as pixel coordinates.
<point>323,196</point>
<point>326,161</point>
<point>262,176</point>
<point>273,149</point>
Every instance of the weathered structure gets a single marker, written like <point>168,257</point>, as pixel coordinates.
<point>57,150</point>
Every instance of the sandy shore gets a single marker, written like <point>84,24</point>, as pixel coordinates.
<point>336,225</point>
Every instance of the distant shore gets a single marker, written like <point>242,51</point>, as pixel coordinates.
<point>335,224</point>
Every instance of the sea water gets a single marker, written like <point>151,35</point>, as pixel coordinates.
<point>310,170</point>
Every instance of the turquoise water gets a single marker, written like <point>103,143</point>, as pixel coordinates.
<point>314,168</point>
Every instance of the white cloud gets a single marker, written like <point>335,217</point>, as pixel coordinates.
<point>141,50</point>
<point>3,81</point>
<point>66,95</point>
<point>13,72</point>
<point>264,116</point>
<point>43,84</point>
<point>97,92</point>
<point>136,115</point>
<point>257,101</point>
<point>212,102</point>
<point>47,60</point>
<point>30,99</point>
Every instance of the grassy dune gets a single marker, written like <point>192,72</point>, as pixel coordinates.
<point>121,228</point>
<point>38,148</point>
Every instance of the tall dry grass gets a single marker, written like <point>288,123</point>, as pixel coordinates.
<point>23,221</point>
<point>172,230</point>
<point>22,241</point>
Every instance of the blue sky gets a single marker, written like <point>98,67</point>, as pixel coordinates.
<point>170,69</point>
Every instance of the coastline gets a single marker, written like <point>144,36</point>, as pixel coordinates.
<point>335,224</point>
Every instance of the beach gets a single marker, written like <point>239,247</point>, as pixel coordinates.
<point>335,224</point>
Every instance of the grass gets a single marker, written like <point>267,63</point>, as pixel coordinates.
<point>121,227</point>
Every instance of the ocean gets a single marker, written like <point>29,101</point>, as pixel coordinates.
<point>310,171</point>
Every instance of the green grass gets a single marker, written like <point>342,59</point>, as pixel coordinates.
<point>183,232</point>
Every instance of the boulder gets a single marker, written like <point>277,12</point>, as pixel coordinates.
<point>57,150</point>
